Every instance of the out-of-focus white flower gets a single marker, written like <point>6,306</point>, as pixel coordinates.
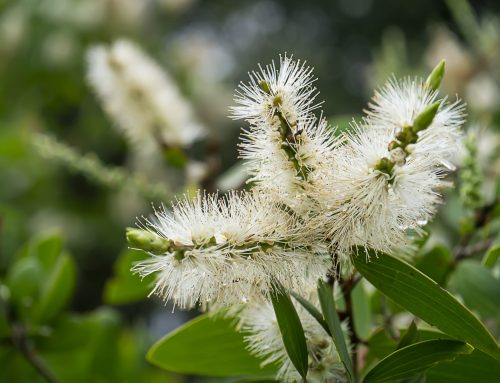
<point>287,149</point>
<point>143,100</point>
<point>227,250</point>
<point>264,340</point>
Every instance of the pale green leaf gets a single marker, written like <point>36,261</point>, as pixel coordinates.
<point>206,346</point>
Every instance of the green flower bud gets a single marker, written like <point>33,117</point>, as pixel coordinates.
<point>144,240</point>
<point>424,119</point>
<point>437,74</point>
<point>385,165</point>
<point>264,85</point>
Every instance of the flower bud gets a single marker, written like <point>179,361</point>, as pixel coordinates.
<point>424,119</point>
<point>437,74</point>
<point>144,240</point>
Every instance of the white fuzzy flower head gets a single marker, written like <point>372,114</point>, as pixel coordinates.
<point>140,97</point>
<point>288,89</point>
<point>364,207</point>
<point>224,251</point>
<point>388,176</point>
<point>263,338</point>
<point>287,149</point>
<point>398,103</point>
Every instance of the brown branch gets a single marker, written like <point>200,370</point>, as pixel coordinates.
<point>347,286</point>
<point>19,339</point>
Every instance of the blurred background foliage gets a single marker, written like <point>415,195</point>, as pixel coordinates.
<point>70,183</point>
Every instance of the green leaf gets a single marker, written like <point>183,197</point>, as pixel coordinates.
<point>325,293</point>
<point>411,336</point>
<point>47,249</point>
<point>476,367</point>
<point>491,256</point>
<point>125,286</point>
<point>410,360</point>
<point>23,280</point>
<point>424,298</point>
<point>436,263</point>
<point>311,309</point>
<point>57,289</point>
<point>291,329</point>
<point>479,289</point>
<point>206,346</point>
<point>361,311</point>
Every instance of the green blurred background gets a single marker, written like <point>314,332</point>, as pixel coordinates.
<point>49,200</point>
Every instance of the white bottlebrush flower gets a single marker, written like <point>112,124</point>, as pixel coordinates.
<point>398,103</point>
<point>365,207</point>
<point>288,89</point>
<point>258,321</point>
<point>286,147</point>
<point>366,203</point>
<point>140,97</point>
<point>227,250</point>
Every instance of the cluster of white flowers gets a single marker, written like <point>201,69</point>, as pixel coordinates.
<point>316,197</point>
<point>228,250</point>
<point>369,187</point>
<point>140,97</point>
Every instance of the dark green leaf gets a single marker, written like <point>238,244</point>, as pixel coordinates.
<point>291,329</point>
<point>312,310</point>
<point>479,289</point>
<point>325,293</point>
<point>476,367</point>
<point>425,298</point>
<point>418,357</point>
<point>206,346</point>
<point>436,263</point>
<point>491,256</point>
<point>411,336</point>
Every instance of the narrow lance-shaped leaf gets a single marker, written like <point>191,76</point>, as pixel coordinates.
<point>316,314</point>
<point>290,328</point>
<point>423,297</point>
<point>413,359</point>
<point>411,336</point>
<point>491,256</point>
<point>327,302</point>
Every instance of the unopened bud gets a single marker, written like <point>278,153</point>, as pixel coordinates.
<point>385,165</point>
<point>264,85</point>
<point>424,119</point>
<point>144,240</point>
<point>437,74</point>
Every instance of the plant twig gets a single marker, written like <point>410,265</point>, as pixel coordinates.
<point>347,286</point>
<point>21,341</point>
<point>482,217</point>
<point>19,338</point>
